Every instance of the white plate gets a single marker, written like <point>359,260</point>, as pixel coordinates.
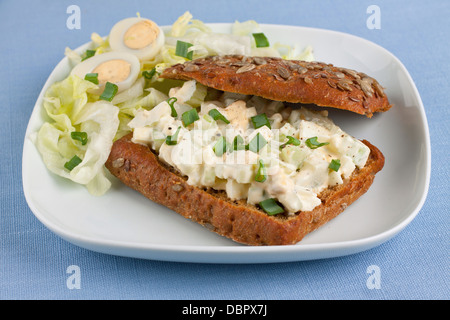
<point>125,223</point>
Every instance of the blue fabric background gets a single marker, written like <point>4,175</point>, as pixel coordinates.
<point>33,261</point>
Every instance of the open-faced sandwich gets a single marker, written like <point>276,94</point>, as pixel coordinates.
<point>244,164</point>
<point>229,143</point>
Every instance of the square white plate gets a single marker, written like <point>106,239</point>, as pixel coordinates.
<point>125,223</point>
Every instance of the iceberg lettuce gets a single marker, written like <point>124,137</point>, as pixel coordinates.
<point>68,106</point>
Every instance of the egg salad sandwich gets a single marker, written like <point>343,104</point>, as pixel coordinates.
<point>251,162</point>
<point>227,139</point>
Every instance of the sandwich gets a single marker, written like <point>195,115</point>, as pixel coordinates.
<point>252,161</point>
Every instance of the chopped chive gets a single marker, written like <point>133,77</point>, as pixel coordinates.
<point>109,92</point>
<point>172,140</point>
<point>261,174</point>
<point>171,101</point>
<point>189,117</point>
<point>220,147</point>
<point>271,207</point>
<point>238,143</point>
<point>257,143</point>
<point>291,140</point>
<point>72,163</point>
<point>181,50</point>
<point>335,164</point>
<point>312,143</point>
<point>88,54</point>
<point>149,74</point>
<point>80,136</point>
<point>92,77</point>
<point>261,40</point>
<point>260,120</point>
<point>216,115</point>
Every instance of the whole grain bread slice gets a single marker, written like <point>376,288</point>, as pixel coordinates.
<point>138,167</point>
<point>292,81</point>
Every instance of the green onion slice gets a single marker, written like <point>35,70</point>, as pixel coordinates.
<point>216,115</point>
<point>312,143</point>
<point>181,50</point>
<point>271,207</point>
<point>92,77</point>
<point>291,140</point>
<point>189,117</point>
<point>172,140</point>
<point>335,164</point>
<point>149,74</point>
<point>109,92</point>
<point>260,120</point>
<point>88,54</point>
<point>72,163</point>
<point>80,136</point>
<point>238,143</point>
<point>171,101</point>
<point>257,143</point>
<point>261,174</point>
<point>220,147</point>
<point>261,40</point>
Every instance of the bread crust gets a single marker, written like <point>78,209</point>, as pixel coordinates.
<point>286,80</point>
<point>138,167</point>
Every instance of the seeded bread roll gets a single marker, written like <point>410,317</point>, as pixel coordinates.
<point>286,80</point>
<point>138,167</point>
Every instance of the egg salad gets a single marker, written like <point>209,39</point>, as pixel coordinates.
<point>250,147</point>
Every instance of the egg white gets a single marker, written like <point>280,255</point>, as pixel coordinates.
<point>116,39</point>
<point>88,65</point>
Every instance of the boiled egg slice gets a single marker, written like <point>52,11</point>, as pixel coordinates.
<point>120,68</point>
<point>139,36</point>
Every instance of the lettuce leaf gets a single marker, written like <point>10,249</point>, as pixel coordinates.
<point>185,24</point>
<point>68,107</point>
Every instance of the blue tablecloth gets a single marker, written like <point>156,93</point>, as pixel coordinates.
<point>34,262</point>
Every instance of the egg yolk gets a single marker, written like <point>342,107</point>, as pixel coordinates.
<point>140,35</point>
<point>114,71</point>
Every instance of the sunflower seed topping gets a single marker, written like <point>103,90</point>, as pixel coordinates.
<point>283,72</point>
<point>191,67</point>
<point>302,70</point>
<point>308,80</point>
<point>366,86</point>
<point>331,84</point>
<point>292,65</point>
<point>119,162</point>
<point>239,64</point>
<point>344,85</point>
<point>352,73</point>
<point>223,62</point>
<point>259,60</point>
<point>177,187</point>
<point>245,68</point>
<point>379,89</point>
<point>365,105</point>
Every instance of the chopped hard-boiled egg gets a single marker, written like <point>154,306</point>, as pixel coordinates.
<point>120,68</point>
<point>248,155</point>
<point>138,36</point>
